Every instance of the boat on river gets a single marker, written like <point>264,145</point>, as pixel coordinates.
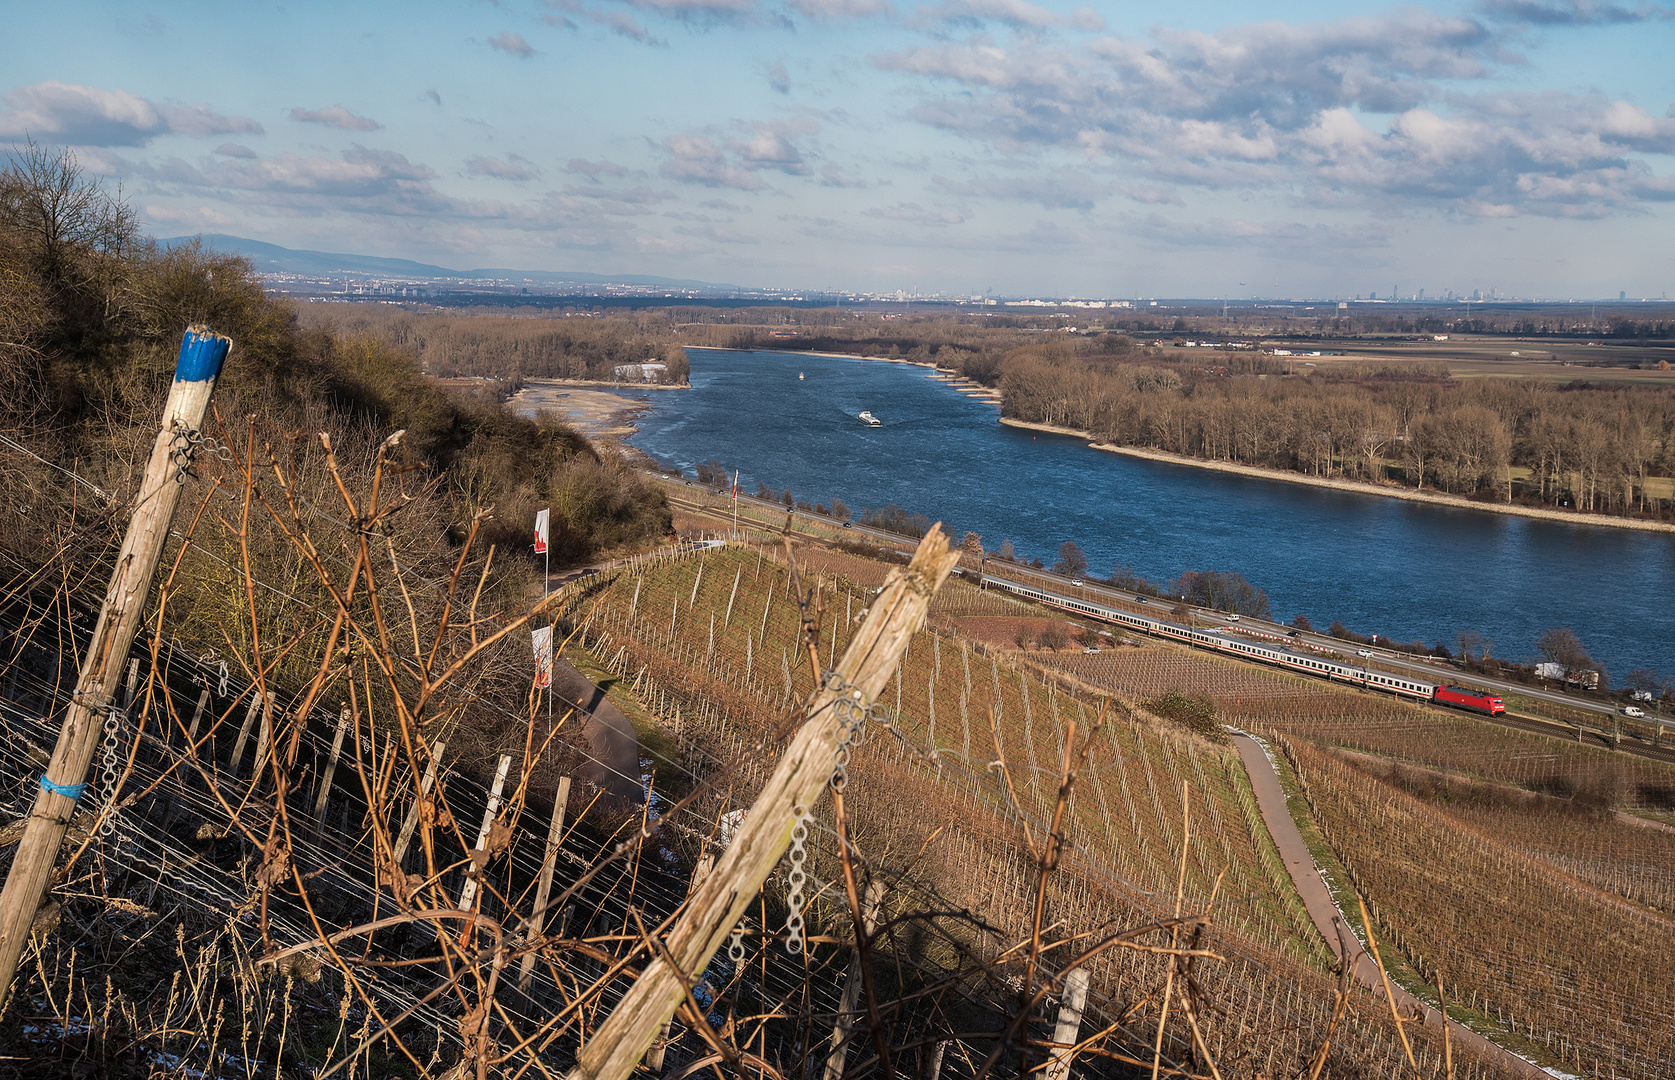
<point>870,420</point>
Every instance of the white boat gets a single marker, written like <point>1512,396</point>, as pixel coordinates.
<point>870,420</point>
<point>799,376</point>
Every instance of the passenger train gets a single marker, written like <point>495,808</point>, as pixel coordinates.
<point>1367,678</point>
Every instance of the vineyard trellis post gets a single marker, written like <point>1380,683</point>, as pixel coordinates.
<point>480,851</point>
<point>198,366</point>
<point>537,917</point>
<point>852,986</point>
<point>1069,1022</point>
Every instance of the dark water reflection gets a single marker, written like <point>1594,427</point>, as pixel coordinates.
<point>1381,565</point>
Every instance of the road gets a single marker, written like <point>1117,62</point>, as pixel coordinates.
<point>614,760</point>
<point>1317,899</point>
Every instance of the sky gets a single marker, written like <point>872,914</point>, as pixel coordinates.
<point>1151,149</point>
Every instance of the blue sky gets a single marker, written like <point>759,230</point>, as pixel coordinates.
<point>1146,149</point>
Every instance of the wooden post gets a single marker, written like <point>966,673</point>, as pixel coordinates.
<point>331,769</point>
<point>1070,1023</point>
<point>468,894</point>
<point>197,715</point>
<point>133,686</point>
<point>797,781</point>
<point>654,1057</point>
<point>257,701</point>
<point>545,888</point>
<point>412,819</point>
<point>935,1071</point>
<point>852,986</point>
<point>199,363</point>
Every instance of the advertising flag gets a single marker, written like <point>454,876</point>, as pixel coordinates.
<point>735,485</point>
<point>541,531</point>
<point>541,639</point>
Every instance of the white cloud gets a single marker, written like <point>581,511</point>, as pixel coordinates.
<point>1294,109</point>
<point>512,44</point>
<point>1571,12</point>
<point>694,159</point>
<point>335,116</point>
<point>88,116</point>
<point>914,214</point>
<point>514,168</point>
<point>833,10</point>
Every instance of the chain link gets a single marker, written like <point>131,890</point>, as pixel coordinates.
<point>109,769</point>
<point>853,710</point>
<point>795,882</point>
<point>735,948</point>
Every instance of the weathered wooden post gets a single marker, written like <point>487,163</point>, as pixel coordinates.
<point>852,986</point>
<point>331,769</point>
<point>201,356</point>
<point>1070,1022</point>
<point>469,892</point>
<point>544,889</point>
<point>797,781</point>
<point>412,820</point>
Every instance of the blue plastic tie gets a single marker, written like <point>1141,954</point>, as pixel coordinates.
<point>69,791</point>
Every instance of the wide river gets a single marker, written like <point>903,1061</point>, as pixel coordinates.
<point>1380,565</point>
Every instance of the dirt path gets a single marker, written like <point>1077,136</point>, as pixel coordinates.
<point>1270,800</point>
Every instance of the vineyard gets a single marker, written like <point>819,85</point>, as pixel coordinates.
<point>712,647</point>
<point>1562,962</point>
<point>1630,857</point>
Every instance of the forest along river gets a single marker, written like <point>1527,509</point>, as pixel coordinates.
<point>1386,566</point>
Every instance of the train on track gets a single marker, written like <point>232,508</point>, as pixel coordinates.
<point>1307,663</point>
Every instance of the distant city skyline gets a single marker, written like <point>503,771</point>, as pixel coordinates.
<point>1512,147</point>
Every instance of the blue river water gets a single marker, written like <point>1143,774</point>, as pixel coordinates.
<point>1380,565</point>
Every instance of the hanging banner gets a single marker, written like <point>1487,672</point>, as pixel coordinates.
<point>735,486</point>
<point>541,639</point>
<point>541,531</point>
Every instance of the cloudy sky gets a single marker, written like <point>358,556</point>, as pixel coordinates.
<point>1156,148</point>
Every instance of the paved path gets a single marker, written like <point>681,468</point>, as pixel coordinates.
<point>1270,800</point>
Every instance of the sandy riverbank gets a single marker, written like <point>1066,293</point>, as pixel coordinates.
<point>598,414</point>
<point>1358,487</point>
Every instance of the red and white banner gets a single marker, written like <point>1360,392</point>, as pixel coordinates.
<point>541,531</point>
<point>541,640</point>
<point>735,485</point>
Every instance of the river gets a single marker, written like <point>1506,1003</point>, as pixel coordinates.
<point>1387,566</point>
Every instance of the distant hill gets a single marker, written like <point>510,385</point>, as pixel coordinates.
<point>271,258</point>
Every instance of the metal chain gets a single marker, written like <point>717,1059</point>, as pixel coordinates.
<point>109,770</point>
<point>853,710</point>
<point>795,882</point>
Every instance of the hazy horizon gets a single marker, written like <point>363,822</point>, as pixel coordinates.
<point>1520,146</point>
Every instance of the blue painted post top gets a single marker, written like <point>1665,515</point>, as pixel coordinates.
<point>201,355</point>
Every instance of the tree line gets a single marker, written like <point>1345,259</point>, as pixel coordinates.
<point>1590,448</point>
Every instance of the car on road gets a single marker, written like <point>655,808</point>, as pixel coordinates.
<point>1363,653</point>
<point>1295,634</point>
<point>1076,582</point>
<point>1141,600</point>
<point>1233,618</point>
<point>1633,710</point>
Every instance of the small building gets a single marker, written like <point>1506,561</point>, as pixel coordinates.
<point>648,372</point>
